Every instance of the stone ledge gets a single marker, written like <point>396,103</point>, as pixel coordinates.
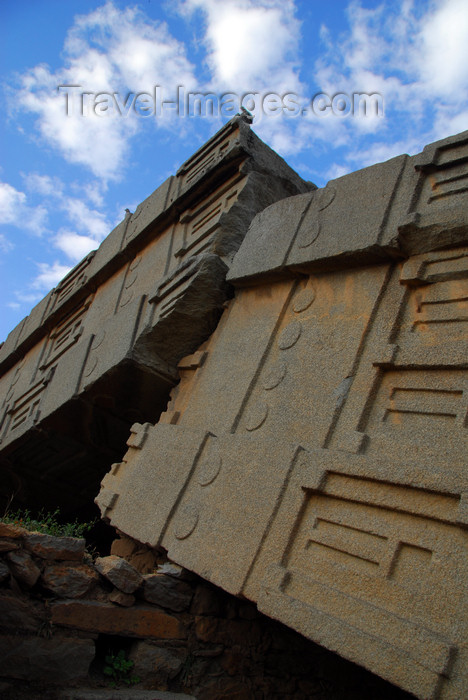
<point>139,621</point>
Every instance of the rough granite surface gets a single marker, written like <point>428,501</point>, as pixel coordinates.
<point>312,456</point>
<point>320,435</point>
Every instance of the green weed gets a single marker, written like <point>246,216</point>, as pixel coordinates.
<point>47,523</point>
<point>118,667</point>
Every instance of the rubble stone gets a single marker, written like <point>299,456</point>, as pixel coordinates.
<point>119,572</point>
<point>167,592</point>
<point>8,545</point>
<point>69,580</point>
<point>59,548</point>
<point>23,567</point>
<point>174,570</point>
<point>19,614</point>
<point>207,601</point>
<point>155,663</point>
<point>126,600</point>
<point>124,546</point>
<point>140,557</point>
<point>14,532</point>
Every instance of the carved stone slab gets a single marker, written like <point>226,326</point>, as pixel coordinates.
<point>313,456</point>
<point>101,350</point>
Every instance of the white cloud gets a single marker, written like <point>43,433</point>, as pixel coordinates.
<point>28,297</point>
<point>15,211</point>
<point>448,123</point>
<point>380,151</point>
<point>43,185</point>
<point>414,54</point>
<point>91,224</point>
<point>49,275</point>
<point>10,201</point>
<point>94,192</point>
<point>108,50</point>
<point>90,227</point>
<point>336,171</point>
<point>5,244</point>
<point>74,245</point>
<point>441,60</point>
<point>251,44</point>
<point>90,221</point>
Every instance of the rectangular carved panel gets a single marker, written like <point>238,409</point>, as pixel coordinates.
<point>75,279</point>
<point>199,223</point>
<point>364,559</point>
<point>414,412</point>
<point>206,157</point>
<point>409,397</point>
<point>24,411</point>
<point>438,211</point>
<point>64,335</point>
<point>447,173</point>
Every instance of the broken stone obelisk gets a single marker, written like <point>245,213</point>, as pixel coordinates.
<point>313,457</point>
<point>101,350</point>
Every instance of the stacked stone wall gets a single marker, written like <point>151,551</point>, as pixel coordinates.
<point>61,611</point>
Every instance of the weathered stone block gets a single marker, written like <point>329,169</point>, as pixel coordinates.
<point>126,600</point>
<point>107,252</point>
<point>12,531</point>
<point>18,615</point>
<point>326,228</point>
<point>149,210</point>
<point>69,581</point>
<point>32,325</point>
<point>138,621</point>
<point>259,255</point>
<point>119,572</point>
<point>150,521</point>
<point>321,443</point>
<point>436,213</point>
<point>59,548</point>
<point>7,544</point>
<point>7,350</point>
<point>167,592</point>
<point>155,663</point>
<point>23,567</point>
<point>125,315</point>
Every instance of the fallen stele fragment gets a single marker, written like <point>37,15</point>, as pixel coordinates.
<point>313,456</point>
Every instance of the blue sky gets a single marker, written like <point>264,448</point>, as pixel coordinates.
<point>65,180</point>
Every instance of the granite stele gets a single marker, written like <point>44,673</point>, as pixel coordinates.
<point>313,456</point>
<point>101,350</point>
